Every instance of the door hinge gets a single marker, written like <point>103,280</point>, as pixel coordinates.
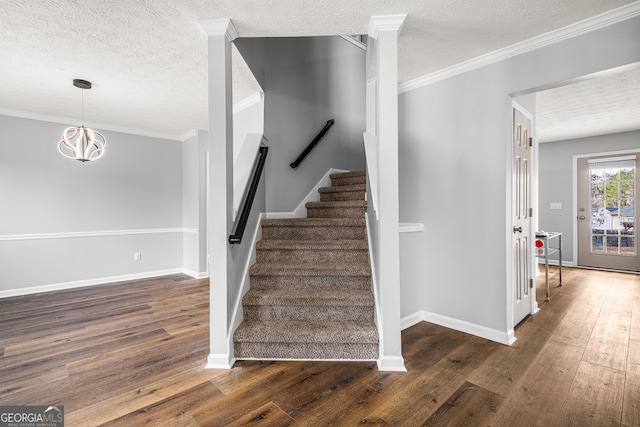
<point>531,283</point>
<point>530,212</point>
<point>530,141</point>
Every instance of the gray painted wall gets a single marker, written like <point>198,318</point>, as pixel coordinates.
<point>556,179</point>
<point>137,185</point>
<point>308,81</point>
<point>454,178</point>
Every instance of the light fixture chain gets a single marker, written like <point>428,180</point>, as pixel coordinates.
<point>82,115</point>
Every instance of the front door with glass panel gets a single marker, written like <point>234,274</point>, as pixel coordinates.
<point>607,214</point>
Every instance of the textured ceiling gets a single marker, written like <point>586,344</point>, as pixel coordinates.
<point>147,58</point>
<point>597,106</point>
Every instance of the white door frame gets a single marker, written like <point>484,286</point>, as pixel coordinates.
<point>576,157</point>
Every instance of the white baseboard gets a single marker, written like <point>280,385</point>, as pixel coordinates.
<point>412,319</point>
<point>391,363</point>
<point>313,196</point>
<point>98,281</point>
<point>219,361</point>
<point>195,274</point>
<point>502,337</point>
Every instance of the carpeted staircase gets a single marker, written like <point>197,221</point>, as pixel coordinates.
<point>310,295</point>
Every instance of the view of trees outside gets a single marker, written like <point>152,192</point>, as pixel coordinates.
<point>613,207</point>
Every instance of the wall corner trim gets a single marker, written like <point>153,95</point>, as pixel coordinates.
<point>385,23</point>
<point>219,27</point>
<point>582,27</point>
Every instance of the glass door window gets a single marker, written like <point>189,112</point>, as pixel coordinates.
<point>613,202</point>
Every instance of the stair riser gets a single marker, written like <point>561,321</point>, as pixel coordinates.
<point>311,256</point>
<point>313,282</point>
<point>313,233</point>
<point>351,180</point>
<point>336,212</point>
<point>309,313</point>
<point>252,350</point>
<point>341,196</point>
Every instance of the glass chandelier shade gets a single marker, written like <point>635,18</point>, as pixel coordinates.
<point>82,143</point>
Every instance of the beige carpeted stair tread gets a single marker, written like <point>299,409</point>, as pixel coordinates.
<point>352,174</point>
<point>343,188</point>
<point>338,204</point>
<point>307,332</point>
<point>314,222</point>
<point>298,269</point>
<point>312,244</point>
<point>286,297</point>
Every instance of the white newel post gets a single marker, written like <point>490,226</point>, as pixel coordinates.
<point>385,30</point>
<point>220,34</point>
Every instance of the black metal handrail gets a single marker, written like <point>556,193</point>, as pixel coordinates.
<point>241,224</point>
<point>312,144</point>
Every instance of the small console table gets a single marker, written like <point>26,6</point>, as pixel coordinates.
<point>546,237</point>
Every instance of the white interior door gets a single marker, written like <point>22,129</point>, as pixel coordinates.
<point>607,213</point>
<point>522,245</point>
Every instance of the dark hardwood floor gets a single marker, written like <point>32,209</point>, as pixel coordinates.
<point>133,353</point>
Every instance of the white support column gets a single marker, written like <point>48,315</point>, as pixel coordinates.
<point>385,30</point>
<point>220,146</point>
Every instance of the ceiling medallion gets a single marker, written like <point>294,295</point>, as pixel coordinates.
<point>82,143</point>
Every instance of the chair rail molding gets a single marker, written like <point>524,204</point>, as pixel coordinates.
<point>75,234</point>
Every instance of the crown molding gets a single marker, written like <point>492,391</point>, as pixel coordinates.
<point>188,135</point>
<point>385,23</point>
<point>355,42</point>
<point>101,126</point>
<point>248,102</point>
<point>219,27</point>
<point>582,27</point>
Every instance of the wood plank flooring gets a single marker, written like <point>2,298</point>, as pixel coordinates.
<point>133,354</point>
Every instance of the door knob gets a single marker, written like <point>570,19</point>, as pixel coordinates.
<point>517,229</point>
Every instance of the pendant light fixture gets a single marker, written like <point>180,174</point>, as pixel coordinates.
<point>82,143</point>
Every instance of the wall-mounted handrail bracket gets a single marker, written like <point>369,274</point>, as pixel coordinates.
<point>241,224</point>
<point>313,143</point>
